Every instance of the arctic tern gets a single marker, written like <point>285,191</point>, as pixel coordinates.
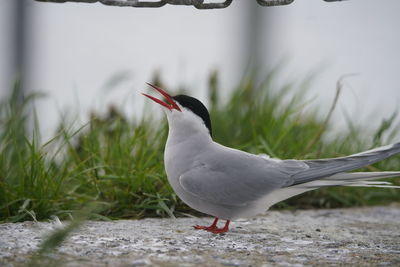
<point>228,183</point>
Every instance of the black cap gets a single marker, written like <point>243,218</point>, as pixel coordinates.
<point>196,107</point>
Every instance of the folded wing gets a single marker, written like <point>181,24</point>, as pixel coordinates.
<point>235,178</point>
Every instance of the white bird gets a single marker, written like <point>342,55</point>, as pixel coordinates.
<point>228,183</point>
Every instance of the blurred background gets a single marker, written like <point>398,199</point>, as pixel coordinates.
<point>76,52</point>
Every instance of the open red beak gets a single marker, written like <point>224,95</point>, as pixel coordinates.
<point>169,104</point>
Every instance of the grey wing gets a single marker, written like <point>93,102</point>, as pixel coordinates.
<point>238,179</point>
<point>327,167</point>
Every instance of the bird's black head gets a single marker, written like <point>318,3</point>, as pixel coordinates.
<point>196,107</point>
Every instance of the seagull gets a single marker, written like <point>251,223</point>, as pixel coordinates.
<point>228,184</point>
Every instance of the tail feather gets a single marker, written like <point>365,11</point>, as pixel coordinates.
<point>352,179</point>
<point>363,175</point>
<point>333,172</point>
<point>318,169</point>
<point>362,179</point>
<point>374,185</point>
<point>359,179</point>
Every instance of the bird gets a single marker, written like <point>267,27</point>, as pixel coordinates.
<point>228,184</point>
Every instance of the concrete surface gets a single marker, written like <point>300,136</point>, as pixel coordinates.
<point>358,236</point>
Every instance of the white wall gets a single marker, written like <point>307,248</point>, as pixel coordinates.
<point>356,36</point>
<point>78,47</point>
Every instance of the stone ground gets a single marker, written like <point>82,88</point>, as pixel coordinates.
<point>357,237</point>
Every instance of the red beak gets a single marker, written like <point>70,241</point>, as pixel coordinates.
<point>169,104</point>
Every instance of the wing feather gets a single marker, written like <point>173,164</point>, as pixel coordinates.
<point>327,167</point>
<point>232,177</point>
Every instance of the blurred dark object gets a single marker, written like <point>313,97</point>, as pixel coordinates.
<point>19,67</point>
<point>199,4</point>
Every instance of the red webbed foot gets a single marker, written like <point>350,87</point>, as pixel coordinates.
<point>213,227</point>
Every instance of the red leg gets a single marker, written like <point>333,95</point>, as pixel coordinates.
<point>221,230</point>
<point>210,228</point>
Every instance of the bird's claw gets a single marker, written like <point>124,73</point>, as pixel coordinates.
<point>219,231</point>
<point>214,230</point>
<point>206,228</point>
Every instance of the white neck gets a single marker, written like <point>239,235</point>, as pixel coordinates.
<point>187,137</point>
<point>186,126</point>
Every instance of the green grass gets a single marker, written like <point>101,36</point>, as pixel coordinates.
<point>117,162</point>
